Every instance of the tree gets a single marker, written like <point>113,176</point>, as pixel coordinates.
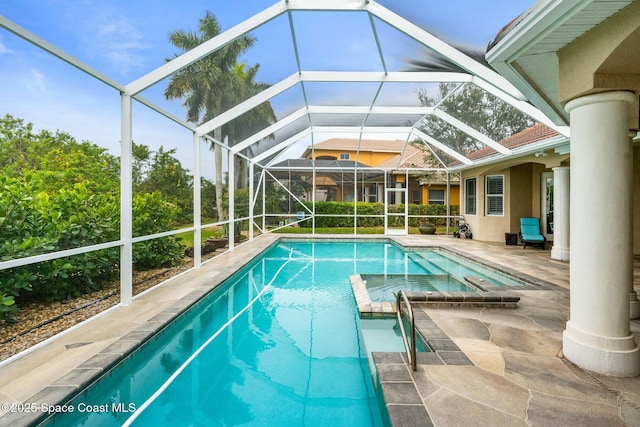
<point>208,85</point>
<point>478,109</point>
<point>214,84</point>
<point>141,157</point>
<point>163,173</point>
<point>247,124</point>
<point>54,160</point>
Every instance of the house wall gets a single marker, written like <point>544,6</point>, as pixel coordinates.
<point>369,158</point>
<point>522,195</point>
<point>454,189</point>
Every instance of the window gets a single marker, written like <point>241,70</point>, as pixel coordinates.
<point>470,196</point>
<point>495,194</point>
<point>371,193</point>
<point>344,156</point>
<point>415,197</point>
<point>436,197</point>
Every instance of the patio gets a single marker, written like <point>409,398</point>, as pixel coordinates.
<point>517,375</point>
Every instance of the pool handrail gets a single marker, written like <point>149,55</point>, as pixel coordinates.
<point>410,349</point>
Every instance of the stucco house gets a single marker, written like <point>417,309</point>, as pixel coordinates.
<point>395,161</point>
<point>497,191</point>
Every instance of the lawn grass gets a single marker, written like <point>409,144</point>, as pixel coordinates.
<point>187,238</point>
<point>349,230</point>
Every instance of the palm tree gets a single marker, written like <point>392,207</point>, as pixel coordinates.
<point>214,84</point>
<point>247,124</point>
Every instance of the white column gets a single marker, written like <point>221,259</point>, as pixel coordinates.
<point>126,200</point>
<point>397,193</point>
<point>561,221</point>
<point>634,304</point>
<point>197,203</point>
<point>251,204</point>
<point>597,336</point>
<point>231,182</point>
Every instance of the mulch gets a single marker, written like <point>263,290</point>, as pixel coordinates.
<point>38,321</point>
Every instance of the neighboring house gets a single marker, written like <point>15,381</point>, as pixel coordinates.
<point>501,190</point>
<point>392,161</point>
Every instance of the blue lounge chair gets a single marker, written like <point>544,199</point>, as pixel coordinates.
<point>530,232</point>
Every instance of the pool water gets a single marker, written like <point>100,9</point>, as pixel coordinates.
<point>278,344</point>
<point>430,270</point>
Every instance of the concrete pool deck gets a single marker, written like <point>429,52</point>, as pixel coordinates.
<point>516,375</point>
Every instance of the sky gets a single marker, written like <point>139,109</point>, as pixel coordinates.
<point>125,40</point>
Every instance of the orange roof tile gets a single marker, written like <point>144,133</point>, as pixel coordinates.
<point>535,133</point>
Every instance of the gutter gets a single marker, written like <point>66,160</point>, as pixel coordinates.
<point>540,20</point>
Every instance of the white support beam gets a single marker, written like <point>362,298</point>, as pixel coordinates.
<point>325,5</point>
<point>58,53</point>
<point>197,203</point>
<point>251,200</point>
<point>439,145</point>
<point>231,182</point>
<point>247,105</point>
<point>523,106</point>
<point>126,201</point>
<point>281,146</point>
<point>360,129</point>
<point>204,49</point>
<point>338,109</point>
<point>471,132</point>
<point>453,54</point>
<point>378,76</point>
<point>165,113</point>
<point>269,130</point>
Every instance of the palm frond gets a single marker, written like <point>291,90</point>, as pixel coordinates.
<point>434,61</point>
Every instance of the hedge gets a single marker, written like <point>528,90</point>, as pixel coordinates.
<point>33,222</point>
<point>372,214</point>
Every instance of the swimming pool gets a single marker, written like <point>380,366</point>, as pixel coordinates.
<point>277,344</point>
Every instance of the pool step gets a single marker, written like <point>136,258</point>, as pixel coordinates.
<point>480,283</point>
<point>381,335</point>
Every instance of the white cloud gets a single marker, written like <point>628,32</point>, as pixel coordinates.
<point>116,39</point>
<point>35,82</point>
<point>4,49</point>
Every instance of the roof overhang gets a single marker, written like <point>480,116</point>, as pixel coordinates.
<point>526,52</point>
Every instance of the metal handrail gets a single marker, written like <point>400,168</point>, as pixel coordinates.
<point>411,349</point>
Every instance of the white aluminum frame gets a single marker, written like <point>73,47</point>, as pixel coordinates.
<point>476,73</point>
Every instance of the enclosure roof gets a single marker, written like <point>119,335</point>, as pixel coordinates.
<point>326,89</point>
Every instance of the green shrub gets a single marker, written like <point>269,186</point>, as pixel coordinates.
<point>34,222</point>
<point>372,214</point>
<point>153,214</point>
<point>8,309</point>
